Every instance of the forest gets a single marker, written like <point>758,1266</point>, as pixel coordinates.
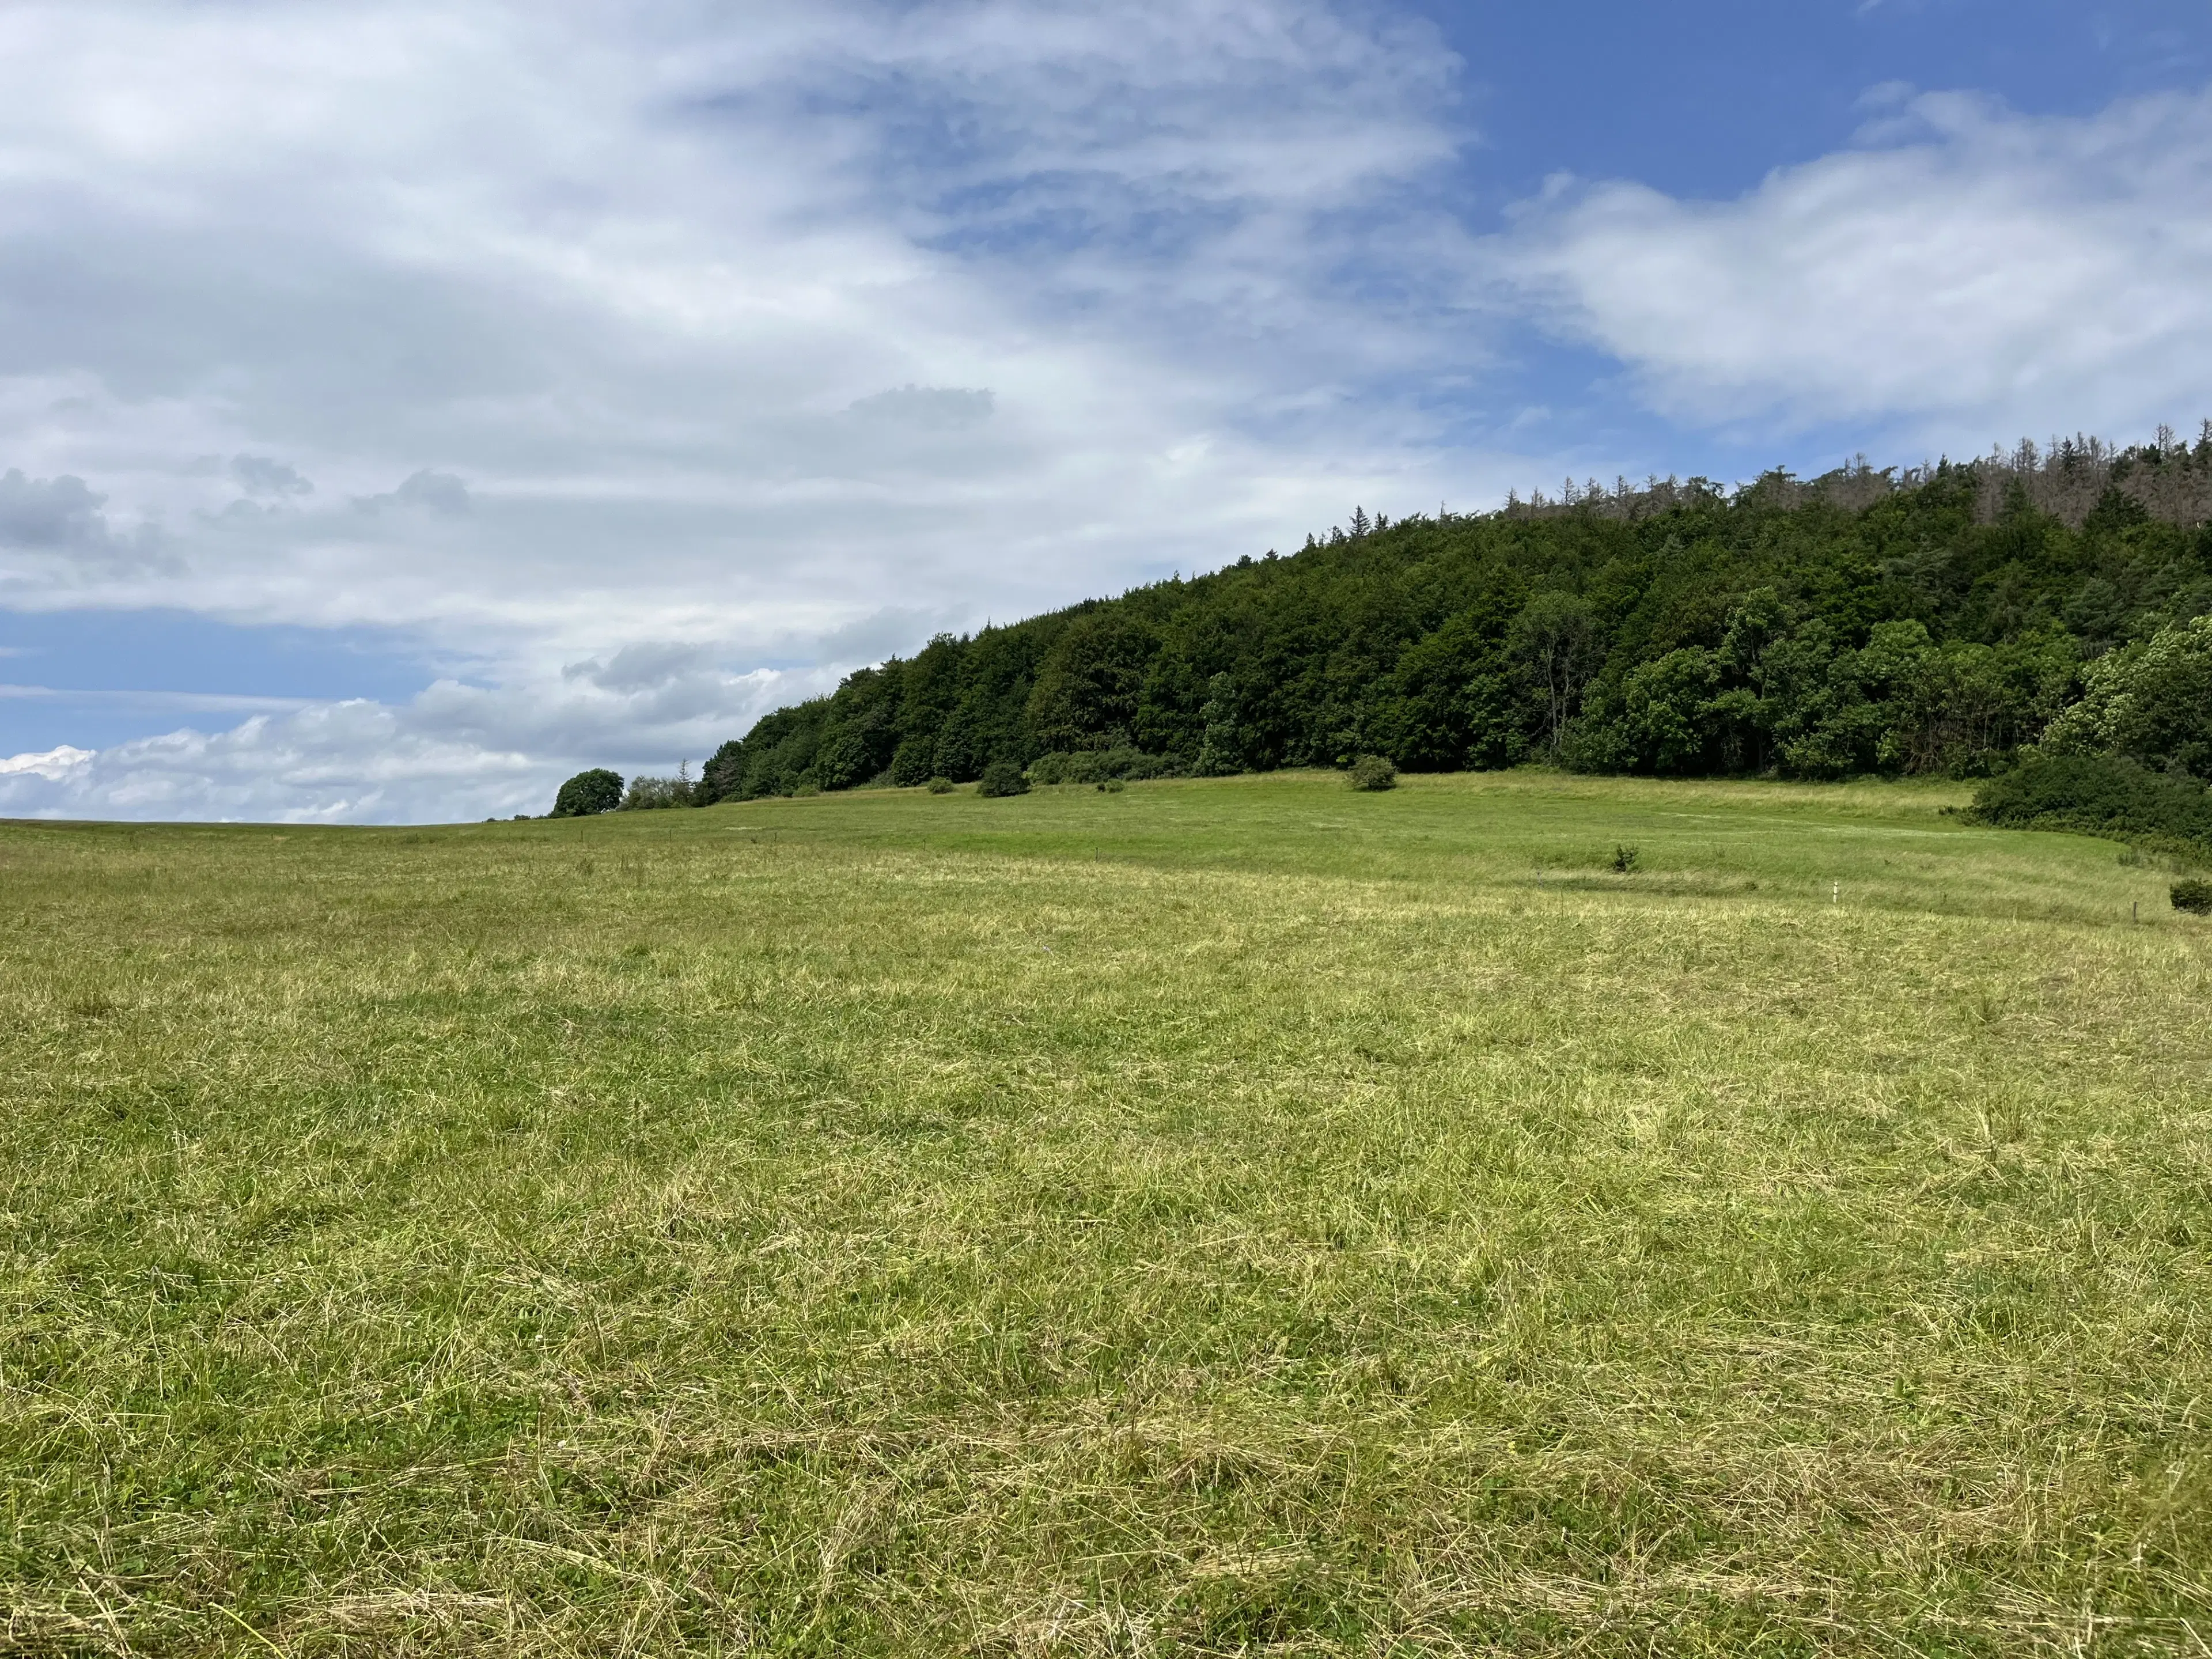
<point>1931,620</point>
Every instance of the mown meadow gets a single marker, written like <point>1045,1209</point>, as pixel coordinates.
<point>1238,1215</point>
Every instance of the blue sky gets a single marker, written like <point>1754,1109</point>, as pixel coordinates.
<point>402,405</point>
<point>1705,99</point>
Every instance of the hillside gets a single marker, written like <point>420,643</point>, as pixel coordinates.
<point>1927,622</point>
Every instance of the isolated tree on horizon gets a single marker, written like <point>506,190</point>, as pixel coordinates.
<point>589,794</point>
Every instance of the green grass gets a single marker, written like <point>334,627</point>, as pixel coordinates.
<point>1235,1216</point>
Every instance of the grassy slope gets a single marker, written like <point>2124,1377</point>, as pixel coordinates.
<point>1216,1215</point>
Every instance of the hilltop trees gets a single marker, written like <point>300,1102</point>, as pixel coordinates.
<point>1933,621</point>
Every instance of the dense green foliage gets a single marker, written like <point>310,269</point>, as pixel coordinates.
<point>2151,703</point>
<point>1119,765</point>
<point>587,793</point>
<point>1859,624</point>
<point>2147,705</point>
<point>647,795</point>
<point>1003,777</point>
<point>2194,896</point>
<point>2103,794</point>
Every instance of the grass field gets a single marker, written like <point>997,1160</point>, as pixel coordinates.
<point>1220,1217</point>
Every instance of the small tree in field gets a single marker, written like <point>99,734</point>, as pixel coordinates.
<point>1373,772</point>
<point>1003,777</point>
<point>588,793</point>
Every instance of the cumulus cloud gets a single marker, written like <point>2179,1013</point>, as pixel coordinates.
<point>337,763</point>
<point>786,336</point>
<point>1966,268</point>
<point>646,666</point>
<point>50,513</point>
<point>60,522</point>
<point>50,766</point>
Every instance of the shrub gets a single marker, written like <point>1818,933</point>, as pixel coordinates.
<point>942,786</point>
<point>1003,777</point>
<point>2194,896</point>
<point>1112,785</point>
<point>588,794</point>
<point>1103,765</point>
<point>651,795</point>
<point>1373,772</point>
<point>2101,794</point>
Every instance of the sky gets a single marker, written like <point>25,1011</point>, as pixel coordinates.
<point>404,405</point>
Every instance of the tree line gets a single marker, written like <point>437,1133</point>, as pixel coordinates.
<point>1933,620</point>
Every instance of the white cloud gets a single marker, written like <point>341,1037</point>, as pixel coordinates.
<point>541,331</point>
<point>934,407</point>
<point>1966,272</point>
<point>51,765</point>
<point>454,751</point>
<point>731,323</point>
